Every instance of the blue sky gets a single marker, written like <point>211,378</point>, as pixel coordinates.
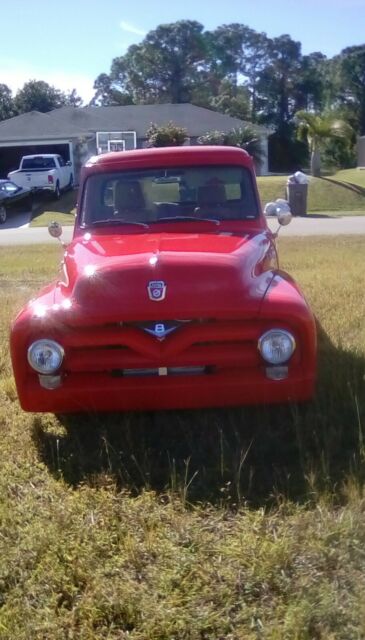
<point>69,42</point>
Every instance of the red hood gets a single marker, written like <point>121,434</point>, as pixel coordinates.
<point>206,275</point>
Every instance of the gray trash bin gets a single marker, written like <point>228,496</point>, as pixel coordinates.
<point>297,195</point>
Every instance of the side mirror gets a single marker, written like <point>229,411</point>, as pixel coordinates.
<point>68,163</point>
<point>55,229</point>
<point>279,209</point>
<point>284,216</point>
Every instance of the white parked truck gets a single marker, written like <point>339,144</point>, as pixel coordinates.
<point>45,172</point>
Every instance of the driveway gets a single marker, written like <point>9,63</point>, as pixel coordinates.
<point>311,226</point>
<point>16,220</point>
<point>323,225</point>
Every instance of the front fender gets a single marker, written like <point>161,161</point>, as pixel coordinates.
<point>284,305</point>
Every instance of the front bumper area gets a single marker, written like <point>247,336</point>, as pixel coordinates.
<point>99,392</point>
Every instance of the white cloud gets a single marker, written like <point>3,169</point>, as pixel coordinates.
<point>15,74</point>
<point>130,28</point>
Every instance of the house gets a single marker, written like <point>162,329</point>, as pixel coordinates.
<point>77,133</point>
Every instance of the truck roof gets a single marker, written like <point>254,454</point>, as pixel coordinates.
<point>42,155</point>
<point>171,156</point>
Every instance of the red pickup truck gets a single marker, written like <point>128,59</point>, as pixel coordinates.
<point>170,295</point>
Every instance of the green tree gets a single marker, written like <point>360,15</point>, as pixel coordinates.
<point>72,99</point>
<point>106,94</point>
<point>37,95</point>
<point>309,87</point>
<point>169,135</point>
<point>317,129</point>
<point>237,54</point>
<point>348,83</point>
<point>277,81</point>
<point>164,67</point>
<point>7,107</point>
<point>234,101</point>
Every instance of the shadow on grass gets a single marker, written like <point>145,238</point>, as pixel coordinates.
<point>45,202</point>
<point>355,188</point>
<point>248,454</point>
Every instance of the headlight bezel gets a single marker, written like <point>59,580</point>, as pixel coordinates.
<point>270,333</point>
<point>50,344</point>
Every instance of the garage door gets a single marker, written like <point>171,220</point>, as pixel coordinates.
<point>10,156</point>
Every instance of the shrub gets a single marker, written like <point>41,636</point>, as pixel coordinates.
<point>213,137</point>
<point>169,135</point>
<point>244,137</point>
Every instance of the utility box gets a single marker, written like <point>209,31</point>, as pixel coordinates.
<point>297,195</point>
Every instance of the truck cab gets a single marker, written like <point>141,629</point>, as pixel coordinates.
<point>170,294</point>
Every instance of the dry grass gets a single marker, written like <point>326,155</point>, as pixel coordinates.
<point>192,525</point>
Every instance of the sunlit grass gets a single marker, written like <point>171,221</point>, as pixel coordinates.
<point>353,176</point>
<point>323,195</point>
<point>245,523</point>
<point>48,210</point>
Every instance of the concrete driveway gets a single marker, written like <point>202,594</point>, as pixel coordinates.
<point>16,220</point>
<point>311,226</point>
<point>323,225</point>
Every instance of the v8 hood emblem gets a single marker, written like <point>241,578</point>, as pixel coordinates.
<point>156,290</point>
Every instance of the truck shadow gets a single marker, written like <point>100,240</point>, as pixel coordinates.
<point>17,220</point>
<point>256,455</point>
<point>44,203</point>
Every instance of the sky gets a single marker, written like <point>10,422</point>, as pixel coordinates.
<point>68,43</point>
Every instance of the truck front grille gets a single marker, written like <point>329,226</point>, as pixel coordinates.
<point>195,348</point>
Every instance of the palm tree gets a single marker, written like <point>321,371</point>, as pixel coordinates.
<point>316,129</point>
<point>248,139</point>
<point>245,137</point>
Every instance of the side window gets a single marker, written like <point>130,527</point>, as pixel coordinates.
<point>61,161</point>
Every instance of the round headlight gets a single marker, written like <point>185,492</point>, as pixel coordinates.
<point>45,356</point>
<point>276,346</point>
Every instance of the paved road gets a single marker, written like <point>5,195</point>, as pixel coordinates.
<point>311,226</point>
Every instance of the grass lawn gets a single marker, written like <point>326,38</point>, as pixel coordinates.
<point>62,210</point>
<point>353,176</point>
<point>323,195</point>
<point>220,524</point>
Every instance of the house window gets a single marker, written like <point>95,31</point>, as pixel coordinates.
<point>115,141</point>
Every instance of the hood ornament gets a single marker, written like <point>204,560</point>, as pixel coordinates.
<point>156,290</point>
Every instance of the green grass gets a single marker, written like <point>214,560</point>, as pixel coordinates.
<point>353,176</point>
<point>232,524</point>
<point>323,195</point>
<point>62,210</point>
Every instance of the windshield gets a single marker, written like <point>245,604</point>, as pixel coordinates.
<point>214,193</point>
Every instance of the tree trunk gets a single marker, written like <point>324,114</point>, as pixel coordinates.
<point>316,163</point>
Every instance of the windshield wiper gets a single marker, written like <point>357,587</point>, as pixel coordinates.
<point>189,218</point>
<point>118,221</point>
